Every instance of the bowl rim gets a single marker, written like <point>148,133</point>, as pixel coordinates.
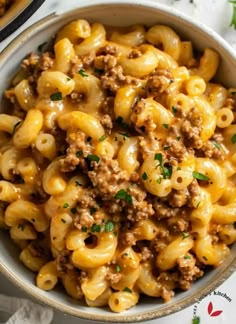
<point>34,293</point>
<point>20,19</point>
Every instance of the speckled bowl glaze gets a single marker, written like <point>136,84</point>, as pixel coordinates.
<point>16,15</point>
<point>123,12</point>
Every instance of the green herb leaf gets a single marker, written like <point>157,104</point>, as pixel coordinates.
<point>196,320</point>
<point>102,138</point>
<point>174,110</point>
<point>165,148</point>
<point>200,176</point>
<point>15,127</point>
<point>125,134</point>
<point>73,210</point>
<point>118,268</point>
<point>81,72</point>
<point>84,229</point>
<point>127,290</point>
<point>98,71</point>
<point>66,205</point>
<point>109,226</point>
<point>159,180</point>
<point>21,226</point>
<point>187,257</point>
<point>167,171</point>
<point>123,194</point>
<point>165,125</point>
<point>185,235</point>
<point>144,176</point>
<point>178,138</point>
<point>233,139</point>
<point>96,228</point>
<point>93,210</point>
<point>205,258</point>
<point>79,153</point>
<point>63,221</point>
<point>216,145</point>
<point>68,79</point>
<point>115,233</point>
<point>77,183</point>
<point>158,157</point>
<point>56,96</point>
<point>21,180</point>
<point>92,157</point>
<point>233,19</point>
<point>198,204</point>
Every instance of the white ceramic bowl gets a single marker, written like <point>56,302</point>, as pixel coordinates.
<point>16,15</point>
<point>123,12</point>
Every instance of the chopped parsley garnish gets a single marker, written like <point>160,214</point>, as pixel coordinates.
<point>233,139</point>
<point>84,229</point>
<point>159,180</point>
<point>127,290</point>
<point>233,19</point>
<point>102,138</point>
<point>81,72</point>
<point>205,258</point>
<point>98,71</point>
<point>21,226</point>
<point>21,180</point>
<point>124,135</point>
<point>216,145</point>
<point>15,127</point>
<point>92,157</point>
<point>200,176</point>
<point>144,176</point>
<point>123,194</point>
<point>77,183</point>
<point>184,235</point>
<point>66,205</point>
<point>198,204</point>
<point>109,226</point>
<point>115,233</point>
<point>178,138</point>
<point>158,157</point>
<point>196,320</point>
<point>174,110</point>
<point>96,228</point>
<point>165,125</point>
<point>63,221</point>
<point>118,268</point>
<point>73,210</point>
<point>165,148</point>
<point>68,79</point>
<point>56,96</point>
<point>93,210</point>
<point>79,153</point>
<point>187,257</point>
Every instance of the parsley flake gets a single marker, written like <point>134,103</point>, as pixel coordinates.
<point>185,235</point>
<point>178,138</point>
<point>205,258</point>
<point>66,205</point>
<point>81,72</point>
<point>73,210</point>
<point>187,257</point>
<point>118,268</point>
<point>84,229</point>
<point>233,139</point>
<point>200,176</point>
<point>77,183</point>
<point>56,96</point>
<point>144,176</point>
<point>92,157</point>
<point>109,226</point>
<point>165,125</point>
<point>126,289</point>
<point>158,157</point>
<point>96,228</point>
<point>21,226</point>
<point>123,194</point>
<point>159,180</point>
<point>196,320</point>
<point>174,110</point>
<point>93,210</point>
<point>15,127</point>
<point>233,19</point>
<point>165,148</point>
<point>98,71</point>
<point>63,221</point>
<point>102,138</point>
<point>216,145</point>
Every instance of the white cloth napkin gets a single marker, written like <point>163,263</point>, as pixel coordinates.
<point>22,311</point>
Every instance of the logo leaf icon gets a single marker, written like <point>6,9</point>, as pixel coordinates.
<point>216,313</point>
<point>210,308</point>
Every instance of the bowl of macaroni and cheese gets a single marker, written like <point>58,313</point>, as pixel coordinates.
<point>117,161</point>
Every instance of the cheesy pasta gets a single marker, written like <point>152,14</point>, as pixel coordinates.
<point>117,164</point>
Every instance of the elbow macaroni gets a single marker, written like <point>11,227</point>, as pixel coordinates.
<point>118,164</point>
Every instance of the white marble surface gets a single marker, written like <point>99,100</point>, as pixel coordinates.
<point>216,14</point>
